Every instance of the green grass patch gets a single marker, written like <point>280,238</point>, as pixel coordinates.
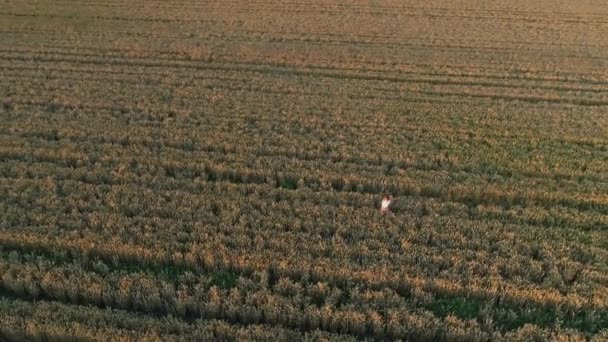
<point>458,306</point>
<point>224,280</point>
<point>288,183</point>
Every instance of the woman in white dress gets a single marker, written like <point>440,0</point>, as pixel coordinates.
<point>385,206</point>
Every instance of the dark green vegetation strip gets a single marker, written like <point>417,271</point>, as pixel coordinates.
<point>510,317</point>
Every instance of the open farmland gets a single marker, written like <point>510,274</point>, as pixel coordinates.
<point>213,169</point>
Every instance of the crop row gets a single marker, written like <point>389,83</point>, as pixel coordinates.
<point>408,86</point>
<point>313,10</point>
<point>388,6</point>
<point>586,153</point>
<point>256,52</point>
<point>52,320</point>
<point>252,37</point>
<point>168,59</point>
<point>308,130</point>
<point>151,180</point>
<point>117,142</point>
<point>355,148</point>
<point>316,239</point>
<point>112,200</point>
<point>274,36</point>
<point>220,166</point>
<point>414,132</point>
<point>244,302</point>
<point>280,286</point>
<point>460,82</point>
<point>61,165</point>
<point>382,106</point>
<point>267,297</point>
<point>217,164</point>
<point>185,52</point>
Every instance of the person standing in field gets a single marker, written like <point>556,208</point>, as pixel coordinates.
<point>385,206</point>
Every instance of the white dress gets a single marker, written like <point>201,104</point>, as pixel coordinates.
<point>385,204</point>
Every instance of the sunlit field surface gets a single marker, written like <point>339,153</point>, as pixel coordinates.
<point>212,170</point>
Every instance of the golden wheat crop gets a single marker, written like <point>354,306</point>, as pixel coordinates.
<point>212,170</point>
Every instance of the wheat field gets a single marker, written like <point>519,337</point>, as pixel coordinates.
<point>212,170</point>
